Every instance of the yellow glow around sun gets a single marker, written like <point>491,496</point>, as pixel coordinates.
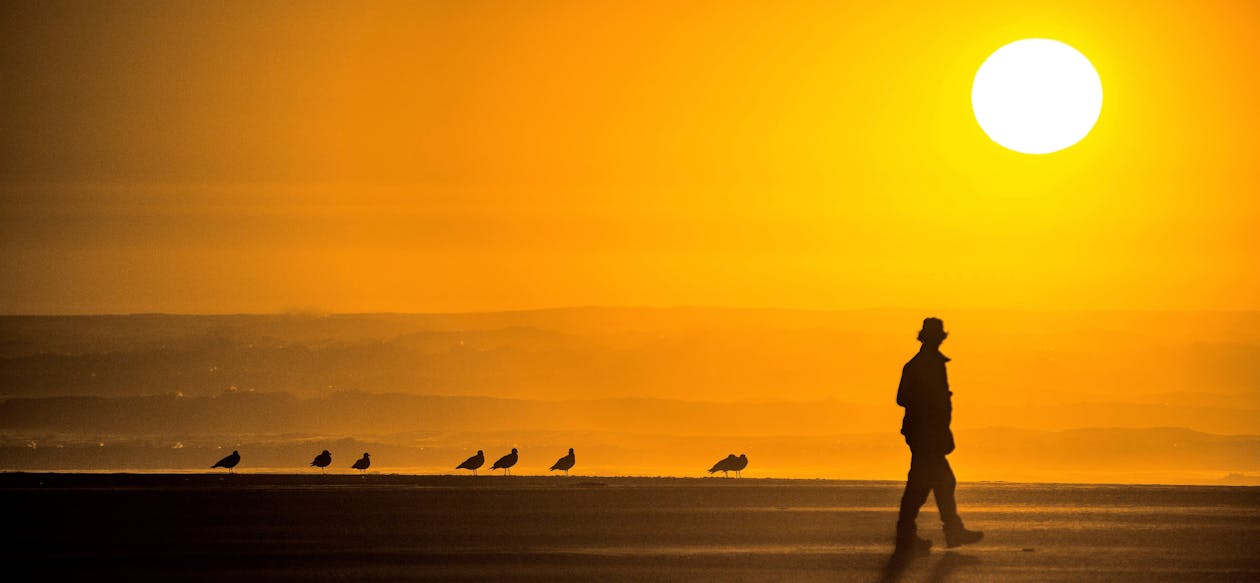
<point>1036,96</point>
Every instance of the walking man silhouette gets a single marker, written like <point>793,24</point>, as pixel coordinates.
<point>924,392</point>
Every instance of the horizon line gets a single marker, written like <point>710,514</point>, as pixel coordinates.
<point>597,307</point>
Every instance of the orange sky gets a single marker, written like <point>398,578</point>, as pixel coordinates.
<point>477,156</point>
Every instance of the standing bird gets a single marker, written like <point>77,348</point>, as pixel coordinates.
<point>228,462</point>
<point>473,462</point>
<point>505,463</point>
<point>738,465</point>
<point>363,463</point>
<point>724,465</point>
<point>323,460</point>
<point>565,463</point>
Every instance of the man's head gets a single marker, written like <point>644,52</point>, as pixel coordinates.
<point>933,332</point>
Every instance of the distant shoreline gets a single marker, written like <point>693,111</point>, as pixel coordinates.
<point>105,478</point>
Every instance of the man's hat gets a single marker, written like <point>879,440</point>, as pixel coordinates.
<point>933,329</point>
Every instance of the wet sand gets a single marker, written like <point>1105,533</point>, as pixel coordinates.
<point>463,528</point>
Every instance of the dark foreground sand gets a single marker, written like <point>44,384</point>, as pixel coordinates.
<point>311,528</point>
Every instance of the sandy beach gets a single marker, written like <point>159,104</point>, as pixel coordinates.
<point>396,527</point>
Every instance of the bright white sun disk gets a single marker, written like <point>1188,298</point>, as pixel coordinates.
<point>1036,96</point>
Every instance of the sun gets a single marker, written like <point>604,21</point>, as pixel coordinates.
<point>1036,96</point>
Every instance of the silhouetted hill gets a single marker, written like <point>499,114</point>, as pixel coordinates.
<point>1011,358</point>
<point>640,390</point>
<point>359,413</point>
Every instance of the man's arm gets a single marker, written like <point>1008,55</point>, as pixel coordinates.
<point>905,390</point>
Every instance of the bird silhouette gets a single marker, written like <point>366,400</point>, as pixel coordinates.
<point>724,465</point>
<point>322,461</point>
<point>473,462</point>
<point>738,465</point>
<point>228,462</point>
<point>565,463</point>
<point>505,463</point>
<point>362,463</point>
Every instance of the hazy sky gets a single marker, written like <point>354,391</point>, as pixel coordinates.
<point>261,156</point>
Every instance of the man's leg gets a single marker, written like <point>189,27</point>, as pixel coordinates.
<point>918,486</point>
<point>943,488</point>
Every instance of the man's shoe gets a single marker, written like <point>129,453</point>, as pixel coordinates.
<point>959,536</point>
<point>912,546</point>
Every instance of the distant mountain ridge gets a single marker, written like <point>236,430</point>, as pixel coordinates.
<point>682,353</point>
<point>803,393</point>
<point>360,413</point>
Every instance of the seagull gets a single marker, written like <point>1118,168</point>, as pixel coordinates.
<point>363,463</point>
<point>737,465</point>
<point>322,461</point>
<point>506,462</point>
<point>725,465</point>
<point>565,463</point>
<point>473,462</point>
<point>228,462</point>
